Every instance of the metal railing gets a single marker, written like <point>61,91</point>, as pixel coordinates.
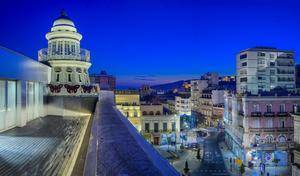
<point>84,55</point>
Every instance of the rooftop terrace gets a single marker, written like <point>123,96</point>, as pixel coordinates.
<point>40,148</point>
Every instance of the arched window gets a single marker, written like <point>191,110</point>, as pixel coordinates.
<point>282,139</point>
<point>256,139</point>
<point>57,69</point>
<point>269,139</point>
<point>69,69</point>
<point>79,77</point>
<point>157,113</point>
<point>151,113</point>
<point>144,113</point>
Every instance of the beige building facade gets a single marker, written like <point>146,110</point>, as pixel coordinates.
<point>128,102</point>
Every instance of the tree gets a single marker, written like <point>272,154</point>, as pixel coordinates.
<point>186,168</point>
<point>242,169</point>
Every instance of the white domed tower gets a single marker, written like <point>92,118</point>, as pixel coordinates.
<point>69,62</point>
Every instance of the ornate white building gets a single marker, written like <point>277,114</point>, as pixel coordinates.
<point>69,62</point>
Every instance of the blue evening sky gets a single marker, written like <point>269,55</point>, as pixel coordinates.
<point>150,41</point>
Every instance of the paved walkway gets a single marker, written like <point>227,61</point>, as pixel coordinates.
<point>121,149</point>
<point>234,170</point>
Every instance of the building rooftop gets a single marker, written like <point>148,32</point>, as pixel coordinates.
<point>266,49</point>
<point>126,92</point>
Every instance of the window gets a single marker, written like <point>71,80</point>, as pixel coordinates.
<point>147,128</point>
<point>57,69</point>
<point>281,139</point>
<point>157,113</point>
<point>69,77</point>
<point>2,95</point>
<point>54,48</point>
<point>244,64</point>
<point>261,61</point>
<point>272,80</point>
<point>272,64</point>
<point>144,113</point>
<point>173,126</point>
<point>79,77</point>
<point>269,108</point>
<point>11,95</point>
<point>282,124</point>
<point>78,70</point>
<point>296,108</point>
<point>272,72</point>
<point>255,123</point>
<point>269,123</point>
<point>165,127</point>
<point>256,108</point>
<point>243,79</point>
<point>60,47</point>
<point>261,54</point>
<point>269,139</point>
<point>151,113</point>
<point>156,127</point>
<point>135,114</point>
<point>282,108</point>
<point>69,69</point>
<point>243,56</point>
<point>57,77</point>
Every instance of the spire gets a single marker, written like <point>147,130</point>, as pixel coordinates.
<point>63,15</point>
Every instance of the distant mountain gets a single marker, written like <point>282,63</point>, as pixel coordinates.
<point>169,86</point>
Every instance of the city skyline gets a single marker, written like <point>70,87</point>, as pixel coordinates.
<point>157,42</point>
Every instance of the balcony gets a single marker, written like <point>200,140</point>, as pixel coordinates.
<point>282,114</point>
<point>255,114</point>
<point>272,130</point>
<point>84,56</point>
<point>269,114</point>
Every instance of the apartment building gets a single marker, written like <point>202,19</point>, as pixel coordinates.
<point>296,151</point>
<point>157,126</point>
<point>264,68</point>
<point>259,128</point>
<point>183,105</point>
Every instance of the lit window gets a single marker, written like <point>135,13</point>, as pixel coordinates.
<point>282,108</point>
<point>256,108</point>
<point>165,127</point>
<point>269,108</point>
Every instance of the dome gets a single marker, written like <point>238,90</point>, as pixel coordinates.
<point>63,20</point>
